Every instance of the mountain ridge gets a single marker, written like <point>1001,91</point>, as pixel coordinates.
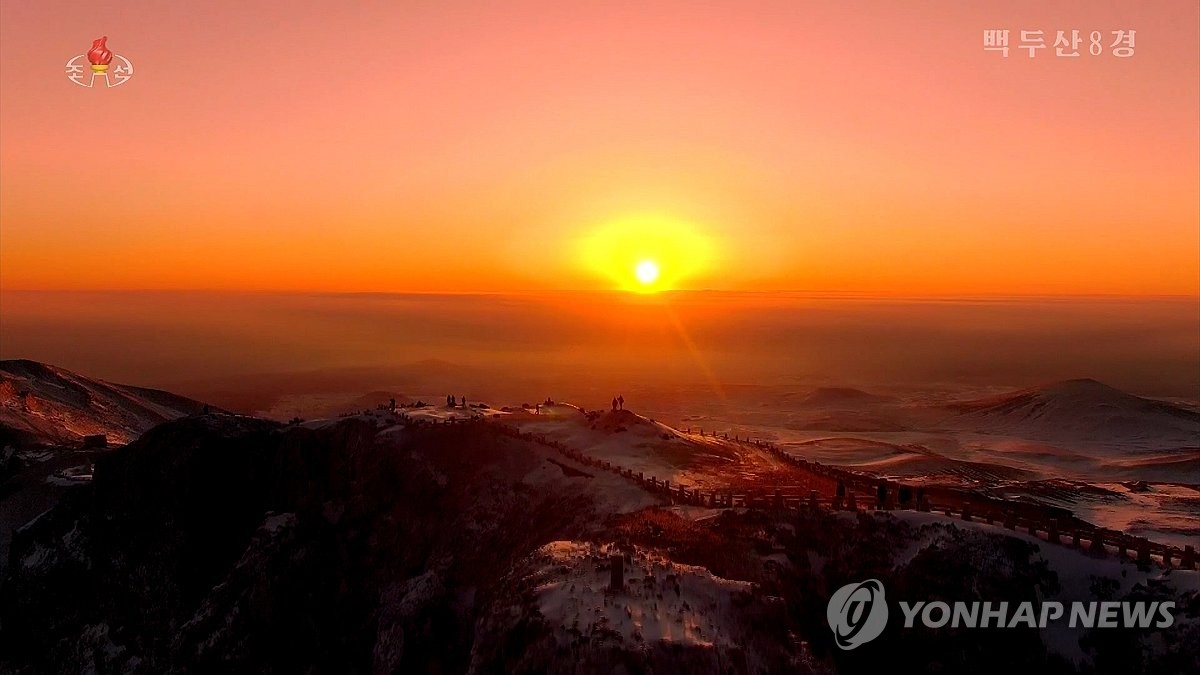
<point>42,404</point>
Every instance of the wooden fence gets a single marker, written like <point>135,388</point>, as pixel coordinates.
<point>1057,526</point>
<point>1054,525</point>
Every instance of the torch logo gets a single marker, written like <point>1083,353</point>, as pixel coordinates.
<point>100,58</point>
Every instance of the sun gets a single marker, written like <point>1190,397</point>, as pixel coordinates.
<point>663,253</point>
<point>646,272</point>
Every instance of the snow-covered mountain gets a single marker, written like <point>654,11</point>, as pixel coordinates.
<point>221,543</point>
<point>43,404</point>
<point>1080,410</point>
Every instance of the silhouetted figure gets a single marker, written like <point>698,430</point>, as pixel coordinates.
<point>453,401</point>
<point>392,404</point>
<point>464,400</point>
<point>621,401</point>
<point>905,496</point>
<point>880,496</point>
<point>205,409</point>
<point>839,495</point>
<point>920,498</point>
<point>614,404</point>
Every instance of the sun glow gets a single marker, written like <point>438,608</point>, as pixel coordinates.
<point>663,253</point>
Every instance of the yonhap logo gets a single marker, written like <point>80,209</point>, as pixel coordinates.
<point>857,613</point>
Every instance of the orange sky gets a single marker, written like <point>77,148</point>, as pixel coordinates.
<point>451,146</point>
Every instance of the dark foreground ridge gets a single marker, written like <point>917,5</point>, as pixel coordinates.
<point>219,543</point>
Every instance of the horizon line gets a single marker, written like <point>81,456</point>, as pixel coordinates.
<point>847,294</point>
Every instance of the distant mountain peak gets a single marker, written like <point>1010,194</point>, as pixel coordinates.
<point>1080,409</point>
<point>826,395</point>
<point>1082,385</point>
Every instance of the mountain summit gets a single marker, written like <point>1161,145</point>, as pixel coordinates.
<point>1080,409</point>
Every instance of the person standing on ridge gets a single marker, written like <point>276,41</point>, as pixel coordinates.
<point>621,401</point>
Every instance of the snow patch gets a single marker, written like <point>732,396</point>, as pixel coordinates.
<point>661,600</point>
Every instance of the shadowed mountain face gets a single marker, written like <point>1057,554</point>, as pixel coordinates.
<point>1081,409</point>
<point>45,405</point>
<point>218,539</point>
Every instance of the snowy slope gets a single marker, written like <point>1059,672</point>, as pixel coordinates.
<point>1076,410</point>
<point>43,404</point>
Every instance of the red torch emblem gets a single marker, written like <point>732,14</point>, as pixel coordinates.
<point>99,55</point>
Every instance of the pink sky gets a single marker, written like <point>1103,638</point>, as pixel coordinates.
<point>862,146</point>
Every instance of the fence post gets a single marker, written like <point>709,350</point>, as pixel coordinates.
<point>1052,531</point>
<point>617,576</point>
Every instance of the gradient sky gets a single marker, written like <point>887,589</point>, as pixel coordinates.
<point>453,146</point>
